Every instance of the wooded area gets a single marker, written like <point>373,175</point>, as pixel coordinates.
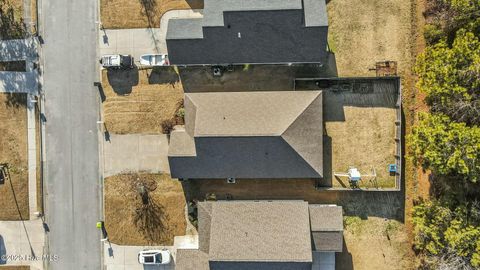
<point>446,140</point>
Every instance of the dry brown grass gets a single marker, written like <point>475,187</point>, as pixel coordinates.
<point>375,243</point>
<point>122,200</point>
<point>117,14</point>
<point>363,32</point>
<point>13,151</point>
<point>17,6</point>
<point>23,267</point>
<point>364,140</point>
<point>140,101</point>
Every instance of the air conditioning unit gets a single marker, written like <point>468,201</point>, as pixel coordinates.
<point>231,180</point>
<point>217,71</point>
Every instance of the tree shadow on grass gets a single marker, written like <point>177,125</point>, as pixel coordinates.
<point>10,27</point>
<point>149,10</point>
<point>150,218</point>
<point>16,100</point>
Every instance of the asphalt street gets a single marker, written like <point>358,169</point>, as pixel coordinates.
<point>71,140</point>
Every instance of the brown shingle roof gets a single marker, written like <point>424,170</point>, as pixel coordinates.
<point>325,217</point>
<point>191,259</point>
<point>250,135</point>
<point>260,231</point>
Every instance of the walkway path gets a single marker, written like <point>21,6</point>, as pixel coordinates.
<point>18,50</point>
<point>141,40</point>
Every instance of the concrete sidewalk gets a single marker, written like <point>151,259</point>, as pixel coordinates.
<point>18,49</point>
<point>22,243</point>
<point>142,40</point>
<point>135,153</point>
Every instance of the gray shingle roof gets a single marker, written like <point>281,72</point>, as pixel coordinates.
<point>214,9</point>
<point>191,259</point>
<point>250,135</point>
<point>315,13</point>
<point>185,29</point>
<point>325,217</point>
<point>275,231</point>
<point>326,223</point>
<point>248,113</point>
<point>327,241</point>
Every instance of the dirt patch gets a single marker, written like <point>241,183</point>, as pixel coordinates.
<point>365,140</point>
<point>118,14</point>
<point>139,101</point>
<point>13,152</point>
<point>374,243</point>
<point>15,267</point>
<point>133,218</point>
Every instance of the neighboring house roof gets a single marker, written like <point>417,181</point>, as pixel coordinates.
<point>325,217</point>
<point>260,231</point>
<point>326,223</point>
<point>251,31</point>
<point>249,135</point>
<point>255,235</point>
<point>191,259</point>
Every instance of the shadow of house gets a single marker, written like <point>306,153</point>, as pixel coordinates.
<point>162,75</point>
<point>238,78</point>
<point>123,81</point>
<point>343,260</point>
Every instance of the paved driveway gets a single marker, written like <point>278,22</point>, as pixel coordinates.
<point>126,257</point>
<point>134,153</point>
<point>21,242</point>
<point>142,40</point>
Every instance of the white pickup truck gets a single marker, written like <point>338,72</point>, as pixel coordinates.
<point>117,61</point>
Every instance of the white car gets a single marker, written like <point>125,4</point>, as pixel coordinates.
<point>152,257</point>
<point>117,61</point>
<point>154,60</point>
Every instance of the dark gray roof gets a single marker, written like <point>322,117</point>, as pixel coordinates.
<point>249,135</point>
<point>214,9</point>
<point>327,241</point>
<point>251,32</point>
<point>325,217</point>
<point>315,12</point>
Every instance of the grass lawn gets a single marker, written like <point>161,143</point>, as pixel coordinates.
<point>117,14</point>
<point>374,243</point>
<point>131,221</point>
<point>13,151</point>
<point>363,140</point>
<point>139,101</point>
